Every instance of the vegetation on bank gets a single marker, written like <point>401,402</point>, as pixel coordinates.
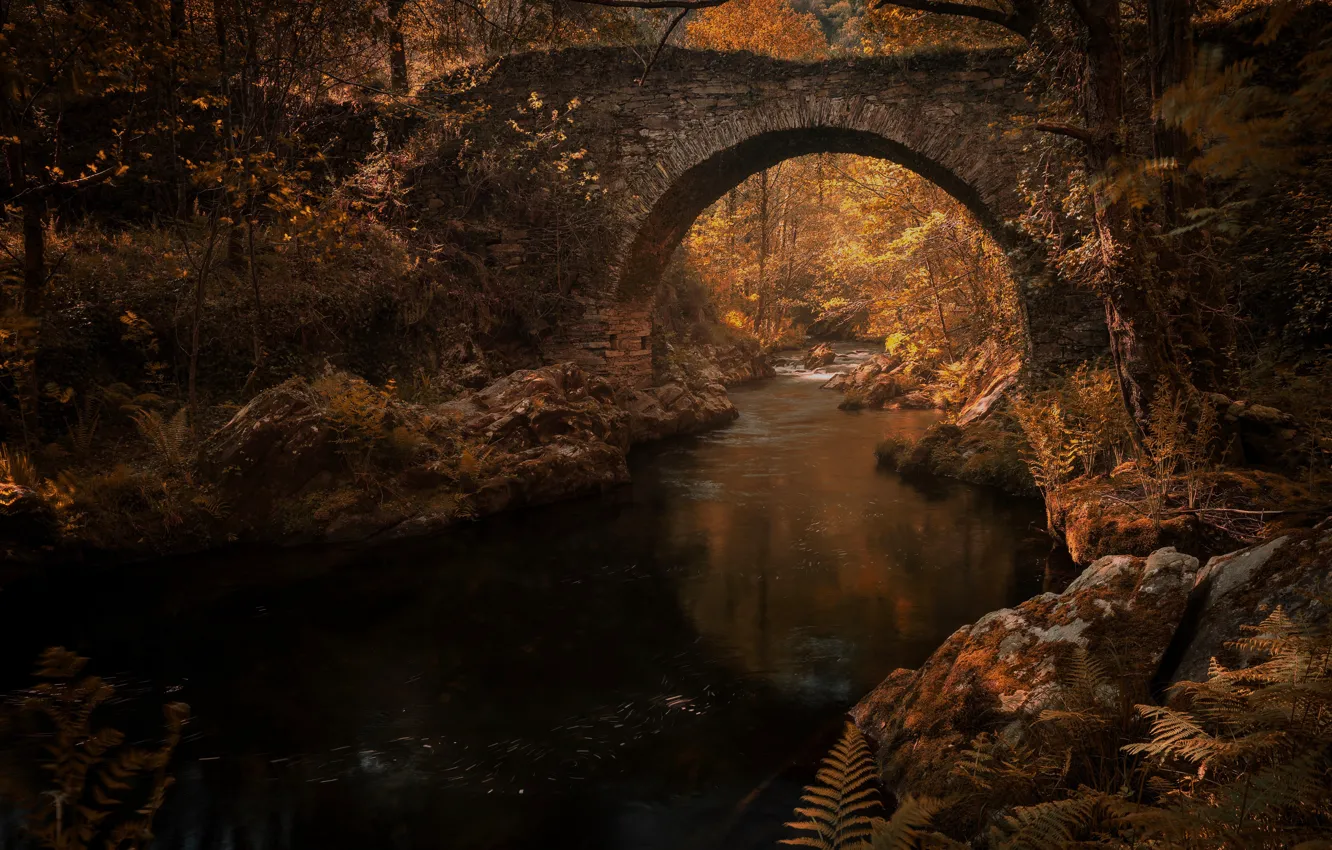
<point>1240,760</point>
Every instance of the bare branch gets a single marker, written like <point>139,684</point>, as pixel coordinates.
<point>1022,20</point>
<point>655,4</point>
<point>1078,133</point>
<point>670,29</point>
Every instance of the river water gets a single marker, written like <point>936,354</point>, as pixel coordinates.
<point>661,667</point>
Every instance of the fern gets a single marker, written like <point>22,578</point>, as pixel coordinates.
<point>83,431</point>
<point>909,827</point>
<point>103,793</point>
<point>17,468</point>
<point>843,799</point>
<point>1058,824</point>
<point>169,437</point>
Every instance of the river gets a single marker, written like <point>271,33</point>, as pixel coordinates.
<point>660,667</point>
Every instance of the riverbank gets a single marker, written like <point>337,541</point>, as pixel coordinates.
<point>338,459</point>
<point>1034,705</point>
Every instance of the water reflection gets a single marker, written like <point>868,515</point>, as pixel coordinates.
<point>658,668</point>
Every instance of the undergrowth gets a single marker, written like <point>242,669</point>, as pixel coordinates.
<point>1242,760</point>
<point>91,788</point>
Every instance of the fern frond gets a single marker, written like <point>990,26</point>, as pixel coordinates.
<point>909,827</point>
<point>842,800</point>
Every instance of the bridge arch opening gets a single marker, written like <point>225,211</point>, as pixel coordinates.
<point>698,187</point>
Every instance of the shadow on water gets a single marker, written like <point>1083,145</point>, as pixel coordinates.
<point>659,668</point>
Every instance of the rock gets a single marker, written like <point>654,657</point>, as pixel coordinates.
<point>1094,526</point>
<point>914,400</point>
<point>562,469</point>
<point>927,455</point>
<point>819,356</point>
<point>981,406</point>
<point>876,382</point>
<point>838,382</point>
<point>272,448</point>
<point>997,675</point>
<point>735,364</point>
<point>534,406</point>
<point>25,517</point>
<point>1240,589</point>
<point>545,434</point>
<point>1264,435</point>
<point>673,410</point>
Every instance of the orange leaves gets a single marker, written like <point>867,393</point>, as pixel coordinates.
<point>767,27</point>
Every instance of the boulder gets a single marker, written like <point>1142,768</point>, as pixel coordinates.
<point>877,382</point>
<point>819,356</point>
<point>535,406</point>
<point>997,675</point>
<point>1265,435</point>
<point>672,410</point>
<point>1095,525</point>
<point>735,364</point>
<point>838,382</point>
<point>272,448</point>
<point>1240,589</point>
<point>561,469</point>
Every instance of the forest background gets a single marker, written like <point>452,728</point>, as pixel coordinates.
<point>207,199</point>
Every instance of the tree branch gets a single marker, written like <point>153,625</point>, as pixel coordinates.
<point>670,29</point>
<point>1021,21</point>
<point>655,4</point>
<point>1066,130</point>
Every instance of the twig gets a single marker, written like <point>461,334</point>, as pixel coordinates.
<point>670,29</point>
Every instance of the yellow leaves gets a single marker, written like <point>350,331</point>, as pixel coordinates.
<point>767,27</point>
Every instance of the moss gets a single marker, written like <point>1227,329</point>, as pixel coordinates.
<point>985,453</point>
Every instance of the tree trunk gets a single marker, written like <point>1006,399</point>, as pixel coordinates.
<point>1139,328</point>
<point>397,49</point>
<point>1205,328</point>
<point>34,253</point>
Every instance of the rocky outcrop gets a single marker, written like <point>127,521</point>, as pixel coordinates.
<point>1103,514</point>
<point>1095,524</point>
<point>1293,571</point>
<point>1149,622</point>
<point>884,381</point>
<point>272,448</point>
<point>985,453</point>
<point>819,356</point>
<point>997,675</point>
<point>533,437</point>
<point>673,410</point>
<point>532,407</point>
<point>734,364</point>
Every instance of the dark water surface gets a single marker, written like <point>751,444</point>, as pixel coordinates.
<point>658,668</point>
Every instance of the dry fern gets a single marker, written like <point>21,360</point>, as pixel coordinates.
<point>16,467</point>
<point>169,437</point>
<point>843,800</point>
<point>104,793</point>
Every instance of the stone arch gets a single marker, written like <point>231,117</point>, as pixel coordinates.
<point>701,171</point>
<point>666,147</point>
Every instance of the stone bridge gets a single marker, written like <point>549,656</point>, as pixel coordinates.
<point>668,146</point>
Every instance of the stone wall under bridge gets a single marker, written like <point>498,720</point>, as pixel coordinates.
<point>667,147</point>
